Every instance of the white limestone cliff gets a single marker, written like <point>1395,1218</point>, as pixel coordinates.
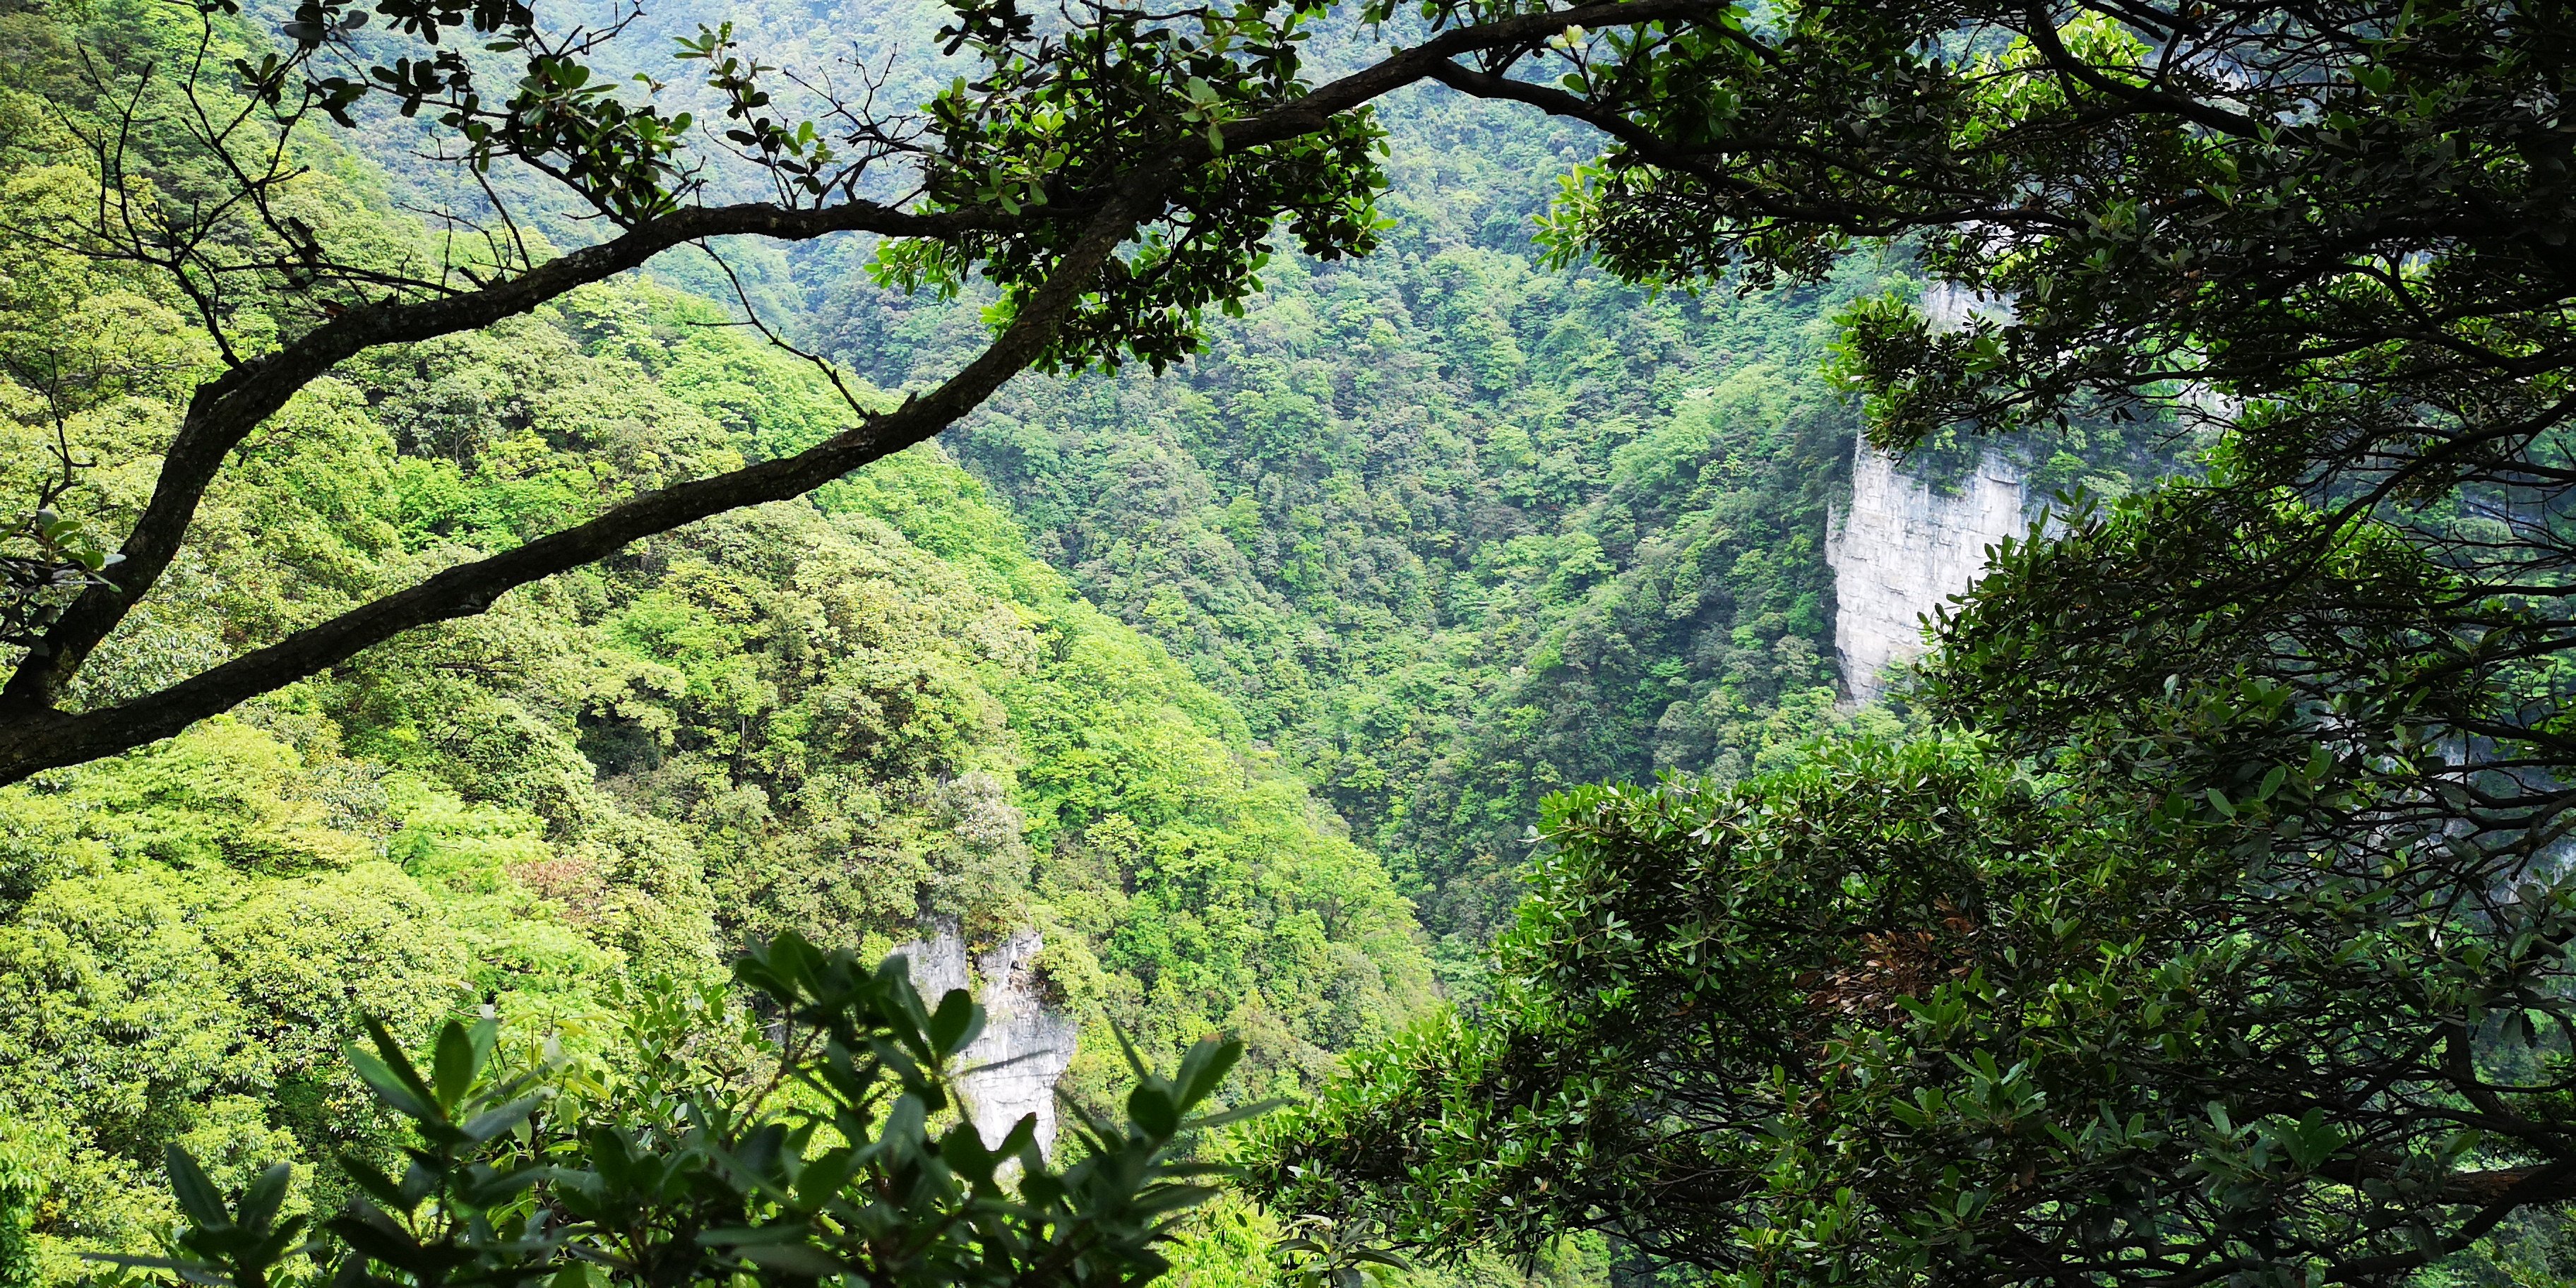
<point>1010,1069</point>
<point>1900,548</point>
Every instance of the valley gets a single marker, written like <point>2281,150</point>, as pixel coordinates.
<point>1411,645</point>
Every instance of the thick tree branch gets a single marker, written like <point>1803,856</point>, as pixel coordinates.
<point>1426,61</point>
<point>35,735</point>
<point>51,739</point>
<point>2042,30</point>
<point>226,409</point>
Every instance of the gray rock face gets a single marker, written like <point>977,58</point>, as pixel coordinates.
<point>1010,1070</point>
<point>1900,549</point>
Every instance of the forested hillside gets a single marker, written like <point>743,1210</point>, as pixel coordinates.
<point>853,716</point>
<point>1241,683</point>
<point>450,608</point>
<point>1454,527</point>
<point>1456,531</point>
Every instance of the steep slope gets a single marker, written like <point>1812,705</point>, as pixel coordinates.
<point>845,715</point>
<point>1385,514</point>
<point>1900,548</point>
<point>1454,530</point>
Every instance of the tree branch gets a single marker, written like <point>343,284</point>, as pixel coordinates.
<point>1654,150</point>
<point>52,739</point>
<point>226,409</point>
<point>35,735</point>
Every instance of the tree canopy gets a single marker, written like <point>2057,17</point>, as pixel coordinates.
<point>2230,939</point>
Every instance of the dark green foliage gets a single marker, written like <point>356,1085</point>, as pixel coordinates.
<point>1912,1011</point>
<point>2234,942</point>
<point>18,1192</point>
<point>807,1146</point>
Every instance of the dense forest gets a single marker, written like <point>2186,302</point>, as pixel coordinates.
<point>1241,685</point>
<point>543,566</point>
<point>852,716</point>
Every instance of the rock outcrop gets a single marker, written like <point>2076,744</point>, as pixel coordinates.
<point>1010,1070</point>
<point>1900,548</point>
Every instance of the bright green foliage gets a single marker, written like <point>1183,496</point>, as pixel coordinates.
<point>785,719</point>
<point>189,937</point>
<point>853,732</point>
<point>703,1148</point>
<point>839,716</point>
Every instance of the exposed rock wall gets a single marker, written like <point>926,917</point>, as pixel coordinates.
<point>1010,1069</point>
<point>1901,548</point>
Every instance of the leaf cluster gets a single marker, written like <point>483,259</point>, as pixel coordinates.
<point>1063,108</point>
<point>817,1159</point>
<point>1917,1011</point>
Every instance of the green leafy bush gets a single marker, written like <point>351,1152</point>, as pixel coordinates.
<point>796,1141</point>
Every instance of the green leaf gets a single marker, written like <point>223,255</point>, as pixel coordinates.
<point>195,1193</point>
<point>1204,1068</point>
<point>370,1232</point>
<point>794,1259</point>
<point>375,1183</point>
<point>962,1148</point>
<point>493,1122</point>
<point>392,1087</point>
<point>1151,1108</point>
<point>1240,1113</point>
<point>260,1202</point>
<point>452,1068</point>
<point>955,1024</point>
<point>825,1175</point>
<point>391,1074</point>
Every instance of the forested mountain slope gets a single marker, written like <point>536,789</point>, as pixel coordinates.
<point>1455,527</point>
<point>1458,533</point>
<point>1452,527</point>
<point>848,715</point>
<point>1418,540</point>
<point>2207,918</point>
